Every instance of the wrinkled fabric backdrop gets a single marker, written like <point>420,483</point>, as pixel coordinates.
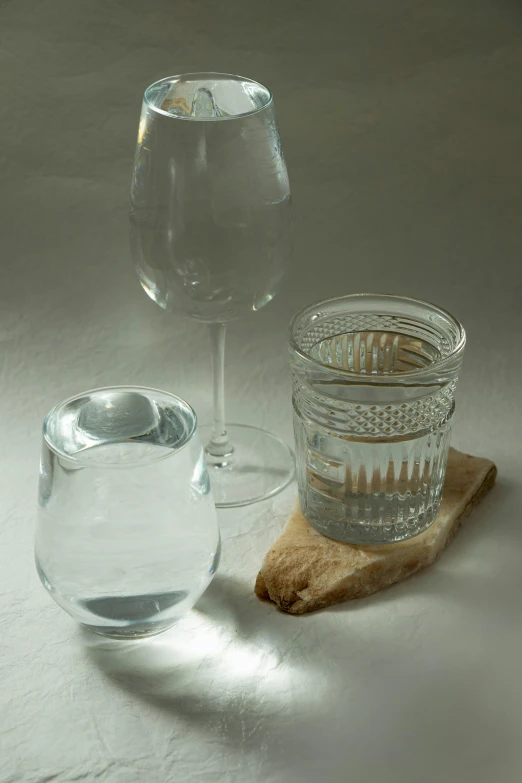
<point>401,123</point>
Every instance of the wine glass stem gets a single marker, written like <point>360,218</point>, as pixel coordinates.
<point>219,446</point>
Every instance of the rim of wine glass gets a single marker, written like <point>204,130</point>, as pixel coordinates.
<point>200,74</point>
<point>77,458</point>
<point>378,377</point>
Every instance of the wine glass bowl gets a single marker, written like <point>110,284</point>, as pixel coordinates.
<point>210,227</point>
<point>210,197</point>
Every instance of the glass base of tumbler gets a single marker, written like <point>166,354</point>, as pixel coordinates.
<point>128,634</point>
<point>259,466</point>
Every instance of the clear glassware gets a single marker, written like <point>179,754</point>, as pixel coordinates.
<point>210,225</point>
<point>374,381</point>
<point>127,536</point>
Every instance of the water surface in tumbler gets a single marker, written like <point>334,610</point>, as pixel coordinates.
<point>371,352</point>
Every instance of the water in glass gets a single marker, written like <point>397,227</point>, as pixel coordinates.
<point>210,231</point>
<point>210,197</point>
<point>127,537</point>
<point>374,385</point>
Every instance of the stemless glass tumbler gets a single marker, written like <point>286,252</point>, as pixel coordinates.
<point>127,536</point>
<point>374,380</point>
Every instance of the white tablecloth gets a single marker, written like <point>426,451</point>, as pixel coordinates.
<point>401,123</point>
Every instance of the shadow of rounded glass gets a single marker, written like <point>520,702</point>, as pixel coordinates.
<point>218,661</point>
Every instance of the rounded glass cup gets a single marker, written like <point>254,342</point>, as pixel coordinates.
<point>127,536</point>
<point>211,236</point>
<point>374,379</point>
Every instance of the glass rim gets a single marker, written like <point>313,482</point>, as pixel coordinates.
<point>378,377</point>
<point>76,458</point>
<point>200,74</point>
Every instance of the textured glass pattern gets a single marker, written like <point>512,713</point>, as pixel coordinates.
<point>373,397</point>
<point>375,420</point>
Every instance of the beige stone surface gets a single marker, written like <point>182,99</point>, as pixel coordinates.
<point>304,571</point>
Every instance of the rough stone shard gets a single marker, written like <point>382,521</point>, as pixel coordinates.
<point>304,571</point>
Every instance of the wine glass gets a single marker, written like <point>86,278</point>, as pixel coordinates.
<point>210,223</point>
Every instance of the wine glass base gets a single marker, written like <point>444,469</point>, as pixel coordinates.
<point>260,466</point>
